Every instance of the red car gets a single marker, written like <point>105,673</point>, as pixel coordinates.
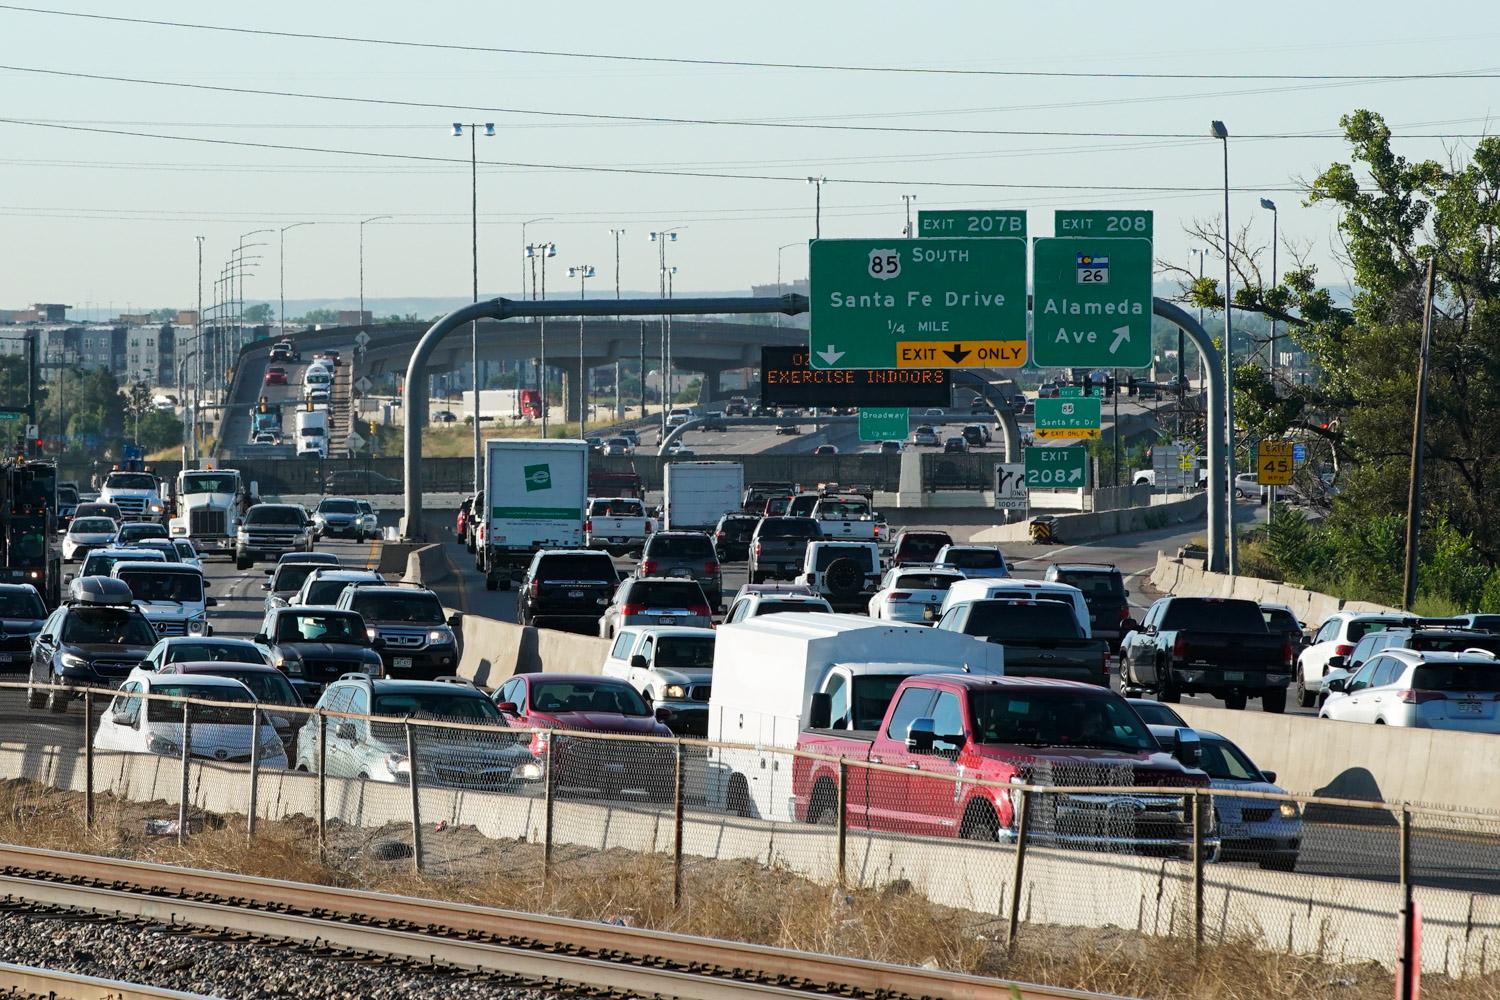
<point>589,704</point>
<point>275,375</point>
<point>918,546</point>
<point>463,516</point>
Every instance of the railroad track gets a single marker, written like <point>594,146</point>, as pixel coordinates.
<point>47,984</point>
<point>554,951</point>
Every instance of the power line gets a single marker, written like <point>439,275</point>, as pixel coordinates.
<point>1486,74</point>
<point>592,118</point>
<point>599,168</point>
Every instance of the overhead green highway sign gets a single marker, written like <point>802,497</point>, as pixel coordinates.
<point>1056,468</point>
<point>1092,302</point>
<point>918,303</point>
<point>884,423</point>
<point>1115,223</point>
<point>972,222</point>
<point>1067,417</point>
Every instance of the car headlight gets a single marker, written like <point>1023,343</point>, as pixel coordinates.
<point>675,691</point>
<point>397,766</point>
<point>157,508</point>
<point>270,747</point>
<point>74,660</point>
<point>292,665</point>
<point>1290,810</point>
<point>439,636</point>
<point>164,746</point>
<point>371,633</point>
<point>372,668</point>
<point>197,626</point>
<point>529,771</point>
<point>178,529</point>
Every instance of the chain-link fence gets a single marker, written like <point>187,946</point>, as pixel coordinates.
<point>657,824</point>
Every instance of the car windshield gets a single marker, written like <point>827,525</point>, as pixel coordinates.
<point>67,495</point>
<point>1481,678</point>
<point>315,431</point>
<point>104,565</point>
<point>455,705</point>
<point>170,710</point>
<point>208,482</point>
<point>576,569</point>
<point>1208,614</point>
<point>269,686</point>
<point>168,551</point>
<point>681,547</point>
<point>21,604</point>
<point>205,651</point>
<point>1095,586</point>
<point>275,515</point>
<point>155,585</point>
<point>130,481</point>
<point>93,526</point>
<point>1008,620</point>
<point>792,607</point>
<point>335,628</point>
<point>108,626</point>
<point>924,581</point>
<point>324,591</point>
<point>666,594</point>
<point>846,509</point>
<point>776,506</point>
<point>365,507</point>
<point>136,532</point>
<point>1359,628</point>
<point>1225,761</point>
<point>588,696</point>
<point>829,554</point>
<point>184,548</point>
<point>338,507</point>
<point>684,652</point>
<point>802,506</point>
<point>1154,713</point>
<point>788,527</point>
<point>616,508</point>
<point>1058,718</point>
<point>291,576</point>
<point>1280,620</point>
<point>738,528</point>
<point>975,559</point>
<point>417,606</point>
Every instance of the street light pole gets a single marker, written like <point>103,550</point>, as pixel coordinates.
<point>817,183</point>
<point>619,400</point>
<point>1275,241</point>
<point>543,251</point>
<point>784,246</point>
<point>661,237</point>
<point>1231,549</point>
<point>582,272</point>
<point>521,365</point>
<point>908,198</point>
<point>458,131</point>
<point>197,347</point>
<point>358,350</point>
<point>281,265</point>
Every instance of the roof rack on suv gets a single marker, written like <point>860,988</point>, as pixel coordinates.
<point>455,679</point>
<point>1080,562</point>
<point>102,591</point>
<point>389,583</point>
<point>355,676</point>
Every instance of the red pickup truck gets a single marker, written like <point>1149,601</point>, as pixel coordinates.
<point>1005,730</point>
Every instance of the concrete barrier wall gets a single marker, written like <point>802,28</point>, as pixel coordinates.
<point>1189,578</point>
<point>1341,920</point>
<point>493,651</point>
<point>1071,529</point>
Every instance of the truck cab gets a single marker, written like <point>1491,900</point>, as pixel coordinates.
<point>137,494</point>
<point>209,504</point>
<point>312,433</point>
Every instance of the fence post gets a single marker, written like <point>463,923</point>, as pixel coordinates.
<point>88,758</point>
<point>1197,871</point>
<point>1023,824</point>
<point>1408,957</point>
<point>677,798</point>
<point>843,821</point>
<point>182,802</point>
<point>322,783</point>
<point>547,814</point>
<point>254,772</point>
<point>416,807</point>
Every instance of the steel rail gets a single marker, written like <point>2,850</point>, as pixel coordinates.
<point>71,986</point>
<point>557,949</point>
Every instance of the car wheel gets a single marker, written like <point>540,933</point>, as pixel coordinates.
<point>1235,700</point>
<point>1273,701</point>
<point>980,823</point>
<point>57,702</point>
<point>242,562</point>
<point>1305,698</point>
<point>35,699</point>
<point>1279,864</point>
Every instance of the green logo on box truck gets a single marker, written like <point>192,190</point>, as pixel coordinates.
<point>537,477</point>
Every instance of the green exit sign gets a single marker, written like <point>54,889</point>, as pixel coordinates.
<point>884,423</point>
<point>1115,222</point>
<point>12,416</point>
<point>972,222</point>
<point>1056,468</point>
<point>1068,417</point>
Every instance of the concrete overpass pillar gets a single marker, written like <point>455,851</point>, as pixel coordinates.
<point>572,385</point>
<point>710,391</point>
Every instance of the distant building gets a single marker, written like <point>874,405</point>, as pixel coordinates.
<point>42,312</point>
<point>796,287</point>
<point>187,317</point>
<point>133,319</point>
<point>353,317</point>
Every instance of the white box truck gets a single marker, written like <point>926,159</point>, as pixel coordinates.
<point>312,433</point>
<point>535,494</point>
<point>697,494</point>
<point>780,675</point>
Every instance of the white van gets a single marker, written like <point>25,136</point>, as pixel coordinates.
<point>1033,590</point>
<point>317,383</point>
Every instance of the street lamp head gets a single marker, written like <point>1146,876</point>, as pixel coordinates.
<point>458,129</point>
<point>1268,203</point>
<point>489,128</point>
<point>1219,131</point>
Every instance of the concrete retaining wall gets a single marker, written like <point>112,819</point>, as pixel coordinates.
<point>1342,920</point>
<point>1071,529</point>
<point>495,650</point>
<point>1188,578</point>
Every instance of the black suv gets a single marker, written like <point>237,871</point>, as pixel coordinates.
<point>778,546</point>
<point>21,615</point>
<point>416,642</point>
<point>567,589</point>
<point>95,640</point>
<point>688,554</point>
<point>1103,591</point>
<point>732,536</point>
<point>315,646</point>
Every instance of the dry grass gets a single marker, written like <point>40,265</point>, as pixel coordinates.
<point>725,899</point>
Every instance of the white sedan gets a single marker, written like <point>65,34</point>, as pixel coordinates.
<point>1419,689</point>
<point>133,724</point>
<point>87,533</point>
<point>913,593</point>
<point>186,553</point>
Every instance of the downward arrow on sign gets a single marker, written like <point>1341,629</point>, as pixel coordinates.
<point>957,354</point>
<point>830,356</point>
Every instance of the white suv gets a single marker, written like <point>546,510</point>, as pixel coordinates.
<point>757,603</point>
<point>846,573</point>
<point>1336,637</point>
<point>671,666</point>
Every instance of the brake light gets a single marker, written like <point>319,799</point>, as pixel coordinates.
<point>718,534</point>
<point>588,525</point>
<point>710,568</point>
<point>1288,654</point>
<point>1342,649</point>
<point>632,609</point>
<point>877,531</point>
<point>1124,612</point>
<point>1179,647</point>
<point>900,595</point>
<point>1104,664</point>
<point>1420,697</point>
<point>648,567</point>
<point>757,548</point>
<point>536,587</point>
<point>699,609</point>
<point>648,526</point>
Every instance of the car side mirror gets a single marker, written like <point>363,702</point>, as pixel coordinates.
<point>68,578</point>
<point>210,602</point>
<point>1270,777</point>
<point>344,730</point>
<point>920,736</point>
<point>1130,625</point>
<point>1189,749</point>
<point>508,708</point>
<point>44,637</point>
<point>1337,680</point>
<point>1150,630</point>
<point>122,717</point>
<point>456,620</point>
<point>820,711</point>
<point>639,662</point>
<point>270,571</point>
<point>266,585</point>
<point>260,639</point>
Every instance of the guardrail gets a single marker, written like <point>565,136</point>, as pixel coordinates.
<point>1315,877</point>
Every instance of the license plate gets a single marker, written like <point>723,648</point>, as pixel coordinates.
<point>620,538</point>
<point>9,657</point>
<point>1468,707</point>
<point>575,593</point>
<point>1234,829</point>
<point>1234,675</point>
<point>401,663</point>
<point>668,620</point>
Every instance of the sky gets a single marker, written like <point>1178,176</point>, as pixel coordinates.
<point>108,221</point>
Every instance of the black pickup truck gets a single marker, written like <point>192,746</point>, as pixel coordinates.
<point>1207,645</point>
<point>1040,638</point>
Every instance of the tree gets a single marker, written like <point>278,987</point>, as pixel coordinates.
<point>260,313</point>
<point>83,404</point>
<point>159,429</point>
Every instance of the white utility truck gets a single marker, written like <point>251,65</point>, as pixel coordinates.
<point>697,494</point>
<point>535,495</point>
